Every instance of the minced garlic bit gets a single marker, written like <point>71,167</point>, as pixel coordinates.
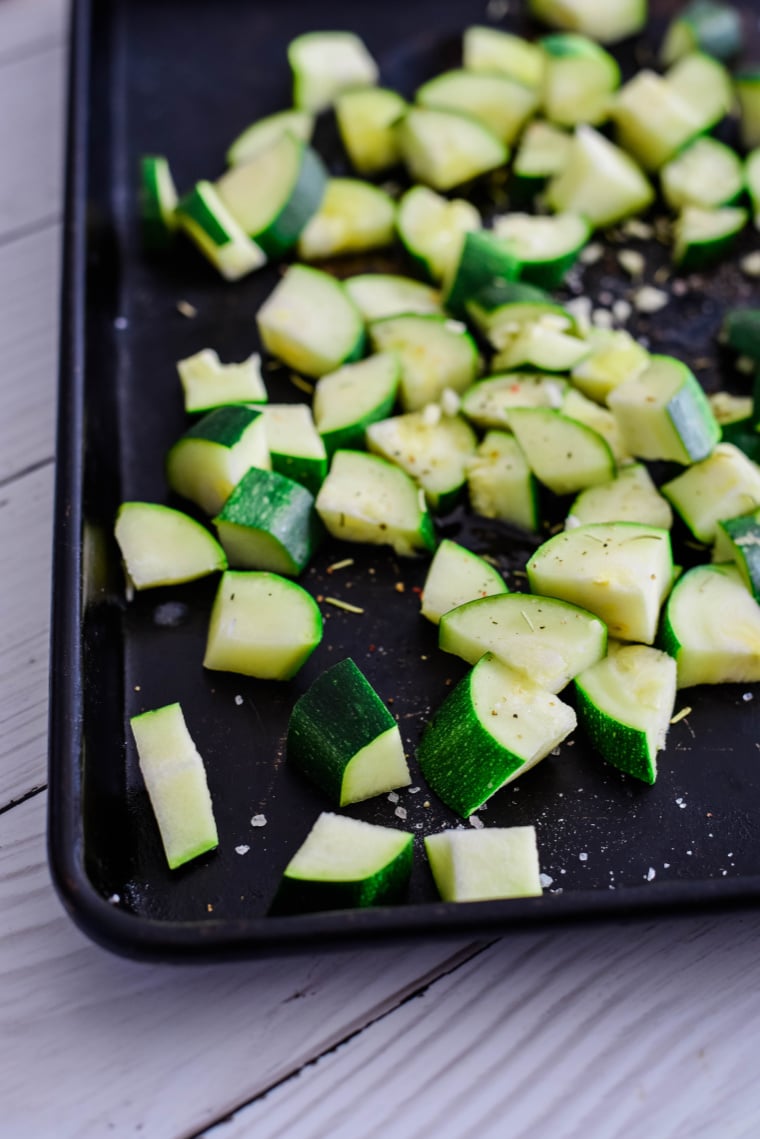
<point>242,849</point>
<point>681,715</point>
<point>602,318</point>
<point>591,253</point>
<point>571,522</point>
<point>636,228</point>
<point>750,265</point>
<point>475,822</point>
<point>338,604</point>
<point>450,402</point>
<point>745,365</point>
<point>344,564</point>
<point>649,299</point>
<point>184,308</point>
<point>431,414</point>
<point>455,326</point>
<point>621,310</point>
<point>580,308</point>
<point>632,261</point>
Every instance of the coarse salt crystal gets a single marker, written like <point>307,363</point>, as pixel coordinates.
<point>651,873</point>
<point>583,857</point>
<point>632,261</point>
<point>746,697</point>
<point>602,318</point>
<point>750,265</point>
<point>545,880</point>
<point>592,253</point>
<point>476,822</point>
<point>259,821</point>
<point>413,790</point>
<point>115,899</point>
<point>621,310</point>
<point>242,849</point>
<point>238,699</point>
<point>649,299</point>
<point>400,812</point>
<point>393,797</point>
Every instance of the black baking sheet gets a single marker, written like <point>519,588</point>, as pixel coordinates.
<point>182,79</point>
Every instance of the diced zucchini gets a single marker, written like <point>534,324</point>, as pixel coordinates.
<point>738,540</point>
<point>711,626</point>
<point>161,546</point>
<point>483,865</point>
<point>576,406</point>
<point>614,358</point>
<point>296,448</point>
<point>703,25</point>
<point>345,864</point>
<point>443,148</point>
<point>353,217</point>
<point>741,330</point>
<point>367,118</point>
<point>579,80</point>
<point>342,737</point>
<point>730,409</point>
<point>500,103</point>
<point>326,63</point>
<point>706,236</point>
<point>310,323</point>
<point>158,202</point>
<point>705,85</point>
<point>261,625</point>
<point>367,499</point>
<point>485,262</point>
<point>175,780</point>
<point>565,455</point>
<point>607,21</point>
<point>706,174</point>
<point>208,383</point>
<point>495,726</point>
<point>432,229</point>
<point>747,88</point>
<point>500,482</point>
<point>268,523</point>
<point>621,571</point>
<point>663,413</point>
<point>261,134</point>
<point>542,347</point>
<point>346,402</point>
<point>599,181</point>
<point>489,403</point>
<point>435,354</point>
<point>221,239</point>
<point>546,247</point>
<point>433,449</point>
<point>377,295</point>
<point>501,53</point>
<point>275,193</point>
<point>625,704</point>
<point>542,153</point>
<point>653,120</point>
<point>541,638</point>
<point>456,576</point>
<point>723,485</point>
<point>214,454</point>
<point>630,497</point>
<point>502,309</point>
<point>752,179</point>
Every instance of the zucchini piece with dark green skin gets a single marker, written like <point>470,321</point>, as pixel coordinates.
<point>500,103</point>
<point>262,625</point>
<point>738,540</point>
<point>432,229</point>
<point>546,248</point>
<point>343,738</point>
<point>296,448</point>
<point>741,331</point>
<point>214,454</point>
<point>625,704</point>
<point>711,626</point>
<point>203,216</point>
<point>158,202</point>
<point>274,194</point>
<point>345,864</point>
<point>494,727</point>
<point>269,523</point>
<point>367,118</point>
<point>579,81</point>
<point>444,148</point>
<point>501,53</point>
<point>434,449</point>
<point>353,217</point>
<point>542,153</point>
<point>704,237</point>
<point>603,20</point>
<point>485,261</point>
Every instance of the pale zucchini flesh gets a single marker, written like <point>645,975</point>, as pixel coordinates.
<point>162,546</point>
<point>456,576</point>
<point>482,865</point>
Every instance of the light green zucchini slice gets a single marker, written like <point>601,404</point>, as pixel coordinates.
<point>484,865</point>
<point>456,576</point>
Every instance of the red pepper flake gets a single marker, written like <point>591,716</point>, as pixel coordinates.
<point>371,648</point>
<point>417,589</point>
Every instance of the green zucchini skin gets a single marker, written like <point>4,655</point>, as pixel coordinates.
<point>619,743</point>
<point>338,716</point>
<point>387,886</point>
<point>274,505</point>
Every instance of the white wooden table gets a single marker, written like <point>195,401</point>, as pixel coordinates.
<point>597,1032</point>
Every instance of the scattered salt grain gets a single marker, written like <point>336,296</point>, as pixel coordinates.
<point>400,812</point>
<point>476,822</point>
<point>121,323</point>
<point>238,699</point>
<point>393,797</point>
<point>638,229</point>
<point>666,866</point>
<point>602,318</point>
<point>583,857</point>
<point>750,265</point>
<point>621,310</point>
<point>681,804</point>
<point>592,253</point>
<point>115,899</point>
<point>242,849</point>
<point>545,880</point>
<point>413,790</point>
<point>259,821</point>
<point>632,261</point>
<point>651,873</point>
<point>746,697</point>
<point>184,308</point>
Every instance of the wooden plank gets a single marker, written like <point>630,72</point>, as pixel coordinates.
<point>31,140</point>
<point>25,554</point>
<point>117,1047</point>
<point>28,27</point>
<point>604,1033</point>
<point>29,271</point>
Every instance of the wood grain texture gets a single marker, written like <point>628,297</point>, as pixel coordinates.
<point>593,1033</point>
<point>25,555</point>
<point>121,1047</point>
<point>31,140</point>
<point>28,26</point>
<point>29,286</point>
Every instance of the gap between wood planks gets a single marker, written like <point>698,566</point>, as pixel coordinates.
<point>451,965</point>
<point>30,794</point>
